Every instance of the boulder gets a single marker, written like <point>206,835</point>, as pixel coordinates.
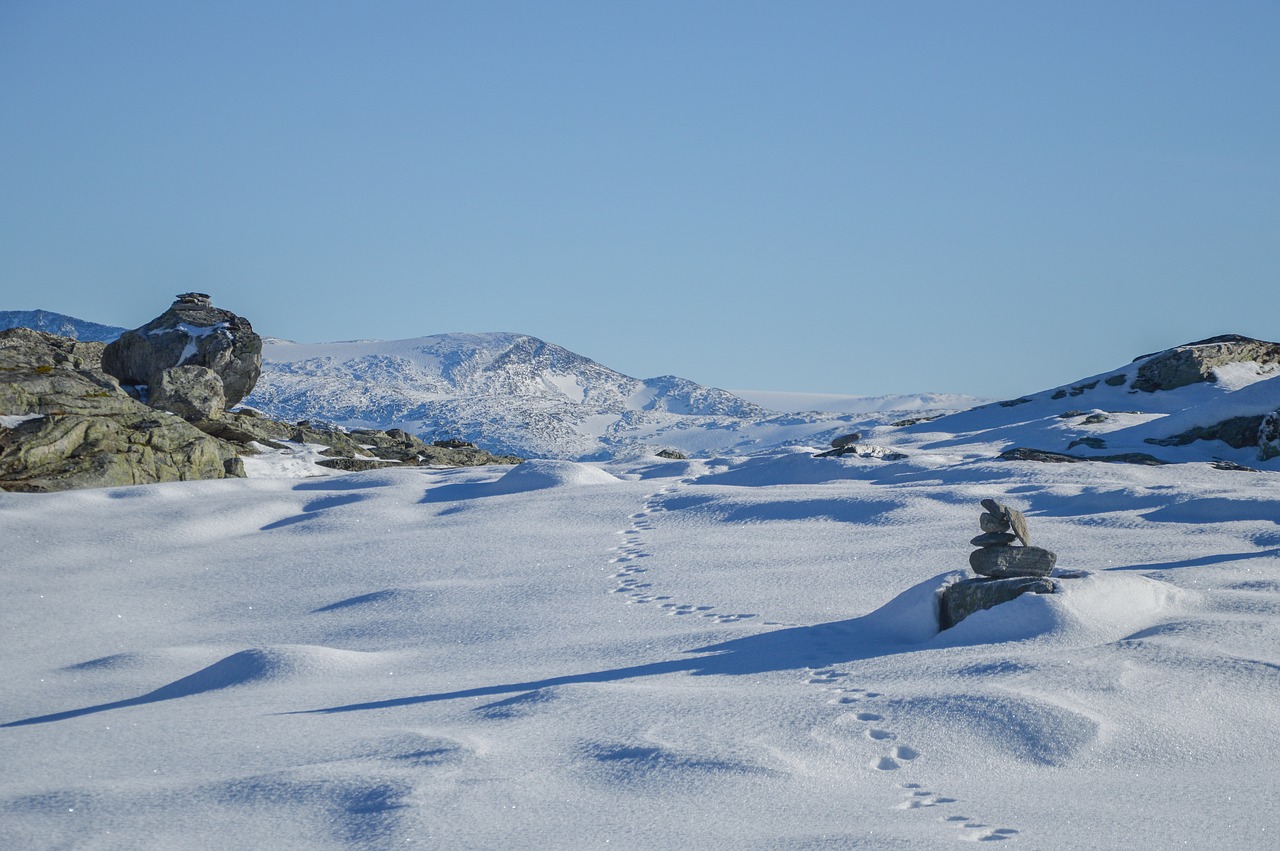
<point>66,452</point>
<point>192,332</point>
<point>1002,562</point>
<point>72,426</point>
<point>1195,362</point>
<point>963,598</point>
<point>191,392</point>
<point>846,440</point>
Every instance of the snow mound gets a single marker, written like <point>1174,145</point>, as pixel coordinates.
<point>1093,608</point>
<point>543,474</point>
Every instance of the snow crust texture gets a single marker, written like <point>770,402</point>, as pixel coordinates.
<point>642,653</point>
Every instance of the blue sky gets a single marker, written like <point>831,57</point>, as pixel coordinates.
<point>841,197</point>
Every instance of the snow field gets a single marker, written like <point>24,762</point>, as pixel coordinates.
<point>643,653</point>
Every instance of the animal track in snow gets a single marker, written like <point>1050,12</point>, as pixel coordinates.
<point>630,578</point>
<point>899,756</point>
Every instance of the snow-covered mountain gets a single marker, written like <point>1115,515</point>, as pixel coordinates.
<point>1201,401</point>
<point>60,324</point>
<point>517,394</point>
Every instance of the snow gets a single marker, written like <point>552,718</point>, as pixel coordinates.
<point>15,420</point>
<point>642,653</point>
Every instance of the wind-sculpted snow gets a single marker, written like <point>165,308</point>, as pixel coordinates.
<point>644,653</point>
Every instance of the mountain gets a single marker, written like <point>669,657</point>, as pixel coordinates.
<point>60,324</point>
<point>509,392</point>
<point>1203,401</point>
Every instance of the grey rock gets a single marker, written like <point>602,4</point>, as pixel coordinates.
<point>192,332</point>
<point>1195,362</point>
<point>191,392</point>
<point>995,509</point>
<point>1001,562</point>
<point>993,539</point>
<point>846,440</point>
<point>1023,453</point>
<point>962,599</point>
<point>88,432</point>
<point>1091,442</point>
<point>1095,419</point>
<point>1236,432</point>
<point>1269,436</point>
<point>672,455</point>
<point>1018,521</point>
<point>990,522</point>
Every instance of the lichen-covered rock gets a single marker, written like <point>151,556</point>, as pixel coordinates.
<point>1195,362</point>
<point>84,431</point>
<point>191,392</point>
<point>192,332</point>
<point>1002,562</point>
<point>66,452</point>
<point>963,598</point>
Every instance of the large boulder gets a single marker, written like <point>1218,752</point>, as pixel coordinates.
<point>192,332</point>
<point>963,598</point>
<point>64,424</point>
<point>1195,362</point>
<point>191,392</point>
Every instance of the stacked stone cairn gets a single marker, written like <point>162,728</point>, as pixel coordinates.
<point>1005,570</point>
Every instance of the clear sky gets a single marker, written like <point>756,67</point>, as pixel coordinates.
<point>841,197</point>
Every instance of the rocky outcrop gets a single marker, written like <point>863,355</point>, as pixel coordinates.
<point>1236,432</point>
<point>1195,362</point>
<point>65,424</point>
<point>1023,453</point>
<point>360,449</point>
<point>192,332</point>
<point>68,425</point>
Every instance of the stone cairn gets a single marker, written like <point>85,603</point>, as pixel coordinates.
<point>996,556</point>
<point>1005,570</point>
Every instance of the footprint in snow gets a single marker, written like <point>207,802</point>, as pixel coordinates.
<point>627,576</point>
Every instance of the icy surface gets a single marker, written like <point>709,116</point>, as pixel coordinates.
<point>711,653</point>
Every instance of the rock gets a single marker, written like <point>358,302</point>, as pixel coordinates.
<point>963,598</point>
<point>355,465</point>
<point>1091,442</point>
<point>910,421</point>
<point>453,443</point>
<point>65,452</point>
<point>1002,562</point>
<point>191,392</point>
<point>1269,436</point>
<point>1116,380</point>
<point>1236,432</point>
<point>1195,362</point>
<point>1023,453</point>
<point>863,450</point>
<point>995,509</point>
<point>192,332</point>
<point>993,539</point>
<point>672,455</point>
<point>846,440</point>
<point>992,522</point>
<point>1095,419</point>
<point>87,432</point>
<point>1018,521</point>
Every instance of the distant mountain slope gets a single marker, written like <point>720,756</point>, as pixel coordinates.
<point>60,324</point>
<point>508,392</point>
<point>1195,402</point>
